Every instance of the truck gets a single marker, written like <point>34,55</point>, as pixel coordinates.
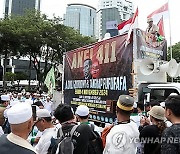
<point>97,74</point>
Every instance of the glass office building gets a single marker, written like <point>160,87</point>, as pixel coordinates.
<point>81,17</point>
<point>114,12</point>
<point>18,7</point>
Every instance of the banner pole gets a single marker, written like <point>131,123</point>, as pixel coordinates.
<point>170,37</point>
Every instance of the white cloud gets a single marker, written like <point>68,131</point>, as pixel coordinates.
<point>58,7</point>
<point>145,8</point>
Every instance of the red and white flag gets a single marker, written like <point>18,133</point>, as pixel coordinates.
<point>161,27</point>
<point>157,14</point>
<point>125,25</point>
<point>133,24</point>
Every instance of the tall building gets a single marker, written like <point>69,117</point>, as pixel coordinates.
<point>110,13</point>
<point>18,7</point>
<point>81,17</point>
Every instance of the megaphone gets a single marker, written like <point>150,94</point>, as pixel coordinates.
<point>170,67</point>
<point>178,71</point>
<point>147,66</point>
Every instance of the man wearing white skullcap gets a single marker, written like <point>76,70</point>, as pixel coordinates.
<point>82,114</point>
<point>4,103</point>
<point>20,119</point>
<point>28,98</point>
<point>44,124</point>
<point>48,104</point>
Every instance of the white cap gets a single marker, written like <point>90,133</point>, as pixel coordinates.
<point>162,104</point>
<point>10,94</point>
<point>27,94</point>
<point>19,94</point>
<point>19,113</point>
<point>135,105</point>
<point>82,110</point>
<point>5,98</point>
<point>173,94</point>
<point>42,113</point>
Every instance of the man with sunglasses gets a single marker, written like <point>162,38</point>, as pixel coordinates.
<point>44,124</point>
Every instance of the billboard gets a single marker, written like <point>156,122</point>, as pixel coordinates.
<point>96,75</point>
<point>149,47</point>
<point>111,25</point>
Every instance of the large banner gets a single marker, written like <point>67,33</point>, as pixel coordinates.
<point>96,75</point>
<point>148,46</point>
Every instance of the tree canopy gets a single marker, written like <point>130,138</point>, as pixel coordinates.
<point>176,56</point>
<point>176,52</point>
<point>39,38</point>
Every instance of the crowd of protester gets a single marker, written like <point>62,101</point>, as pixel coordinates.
<point>29,125</point>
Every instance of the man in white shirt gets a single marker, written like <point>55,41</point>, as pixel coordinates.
<point>45,125</point>
<point>28,99</point>
<point>122,137</point>
<point>48,104</point>
<point>82,114</point>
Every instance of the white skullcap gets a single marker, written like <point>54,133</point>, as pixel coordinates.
<point>27,94</point>
<point>135,105</point>
<point>173,94</point>
<point>10,94</point>
<point>162,104</point>
<point>5,98</point>
<point>82,110</point>
<point>19,94</point>
<point>19,113</point>
<point>42,113</point>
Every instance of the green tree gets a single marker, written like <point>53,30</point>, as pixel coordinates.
<point>175,52</point>
<point>46,40</point>
<point>9,41</point>
<point>40,39</point>
<point>20,76</point>
<point>175,55</point>
<point>10,76</point>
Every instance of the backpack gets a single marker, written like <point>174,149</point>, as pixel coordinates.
<point>104,134</point>
<point>95,146</point>
<point>63,144</point>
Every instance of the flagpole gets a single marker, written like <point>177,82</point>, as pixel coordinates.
<point>170,38</point>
